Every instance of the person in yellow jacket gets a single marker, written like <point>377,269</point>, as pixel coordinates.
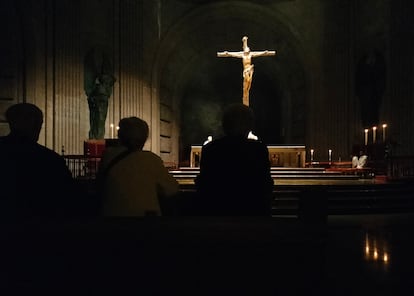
<point>132,180</point>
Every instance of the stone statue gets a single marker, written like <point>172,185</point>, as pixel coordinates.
<point>98,84</point>
<point>246,55</point>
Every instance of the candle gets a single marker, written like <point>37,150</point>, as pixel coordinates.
<point>330,155</point>
<point>375,254</point>
<point>383,132</point>
<point>112,130</point>
<point>117,129</point>
<point>367,249</point>
<point>366,136</point>
<point>311,153</point>
<point>374,134</point>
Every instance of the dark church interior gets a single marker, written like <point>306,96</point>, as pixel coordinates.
<point>341,80</point>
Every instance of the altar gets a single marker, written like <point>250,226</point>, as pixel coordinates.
<point>195,156</point>
<point>289,156</point>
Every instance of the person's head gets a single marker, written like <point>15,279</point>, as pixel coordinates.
<point>238,120</point>
<point>25,120</point>
<point>133,132</point>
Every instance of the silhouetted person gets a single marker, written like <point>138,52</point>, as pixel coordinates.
<point>132,180</point>
<point>35,180</point>
<point>234,174</point>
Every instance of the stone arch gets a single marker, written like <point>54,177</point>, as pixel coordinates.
<point>195,85</point>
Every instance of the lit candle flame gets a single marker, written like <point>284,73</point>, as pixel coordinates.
<point>383,131</point>
<point>112,130</point>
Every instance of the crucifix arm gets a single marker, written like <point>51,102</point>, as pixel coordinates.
<point>263,53</point>
<point>237,54</point>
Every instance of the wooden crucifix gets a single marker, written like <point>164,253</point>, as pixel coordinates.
<point>246,55</point>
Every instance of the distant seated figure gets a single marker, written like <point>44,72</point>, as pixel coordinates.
<point>209,139</point>
<point>234,178</point>
<point>131,179</point>
<point>359,161</point>
<point>35,180</point>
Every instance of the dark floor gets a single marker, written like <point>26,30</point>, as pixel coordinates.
<point>370,255</point>
<point>211,256</point>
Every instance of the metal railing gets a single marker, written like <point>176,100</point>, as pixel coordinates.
<point>83,166</point>
<point>86,166</point>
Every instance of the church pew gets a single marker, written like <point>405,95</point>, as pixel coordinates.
<point>174,255</point>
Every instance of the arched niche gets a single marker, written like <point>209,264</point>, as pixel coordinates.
<point>196,85</point>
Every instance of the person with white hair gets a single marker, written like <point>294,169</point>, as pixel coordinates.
<point>132,180</point>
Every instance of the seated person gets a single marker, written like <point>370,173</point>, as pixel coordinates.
<point>360,161</point>
<point>234,178</point>
<point>35,180</point>
<point>132,180</point>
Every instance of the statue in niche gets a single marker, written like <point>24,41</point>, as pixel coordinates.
<point>370,86</point>
<point>98,84</point>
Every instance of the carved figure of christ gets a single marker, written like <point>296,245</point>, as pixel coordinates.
<point>246,55</point>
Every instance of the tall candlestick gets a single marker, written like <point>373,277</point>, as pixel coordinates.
<point>311,154</point>
<point>383,131</point>
<point>117,129</point>
<point>112,130</point>
<point>374,134</point>
<point>366,136</point>
<point>330,155</point>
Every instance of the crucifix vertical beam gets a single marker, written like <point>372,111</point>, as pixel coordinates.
<point>246,55</point>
